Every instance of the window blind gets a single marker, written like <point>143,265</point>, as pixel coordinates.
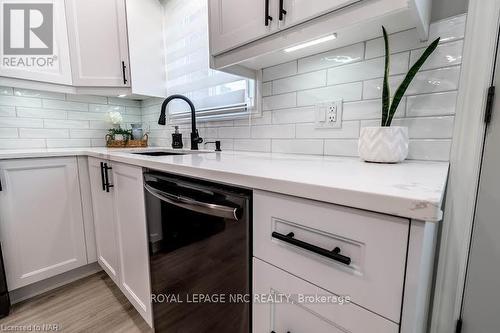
<point>215,94</point>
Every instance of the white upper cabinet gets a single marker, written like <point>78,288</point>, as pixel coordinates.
<point>292,12</point>
<point>41,57</point>
<point>98,42</point>
<point>240,42</point>
<point>248,21</point>
<point>41,223</point>
<point>101,47</point>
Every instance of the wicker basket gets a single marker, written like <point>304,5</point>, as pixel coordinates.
<point>110,143</point>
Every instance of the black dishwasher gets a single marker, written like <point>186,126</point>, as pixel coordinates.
<point>200,254</point>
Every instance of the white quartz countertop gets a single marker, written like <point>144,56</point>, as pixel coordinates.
<point>413,189</point>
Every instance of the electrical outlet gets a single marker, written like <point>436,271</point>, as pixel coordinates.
<point>329,114</point>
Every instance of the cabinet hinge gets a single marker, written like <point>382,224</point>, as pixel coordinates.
<point>458,329</point>
<point>489,104</point>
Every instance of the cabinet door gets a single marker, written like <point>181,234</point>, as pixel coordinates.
<point>298,11</point>
<point>41,224</point>
<point>97,32</point>
<point>233,23</point>
<point>104,223</point>
<point>40,57</point>
<point>302,307</point>
<point>130,216</point>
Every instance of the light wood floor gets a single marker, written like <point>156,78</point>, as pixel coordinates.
<point>92,304</point>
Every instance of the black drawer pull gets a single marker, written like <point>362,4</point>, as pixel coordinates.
<point>106,177</point>
<point>334,254</point>
<point>267,17</point>
<point>124,69</point>
<point>282,10</point>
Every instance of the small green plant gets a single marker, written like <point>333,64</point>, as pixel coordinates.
<point>127,134</point>
<point>388,108</point>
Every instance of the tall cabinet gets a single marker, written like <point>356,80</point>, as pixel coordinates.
<point>121,230</point>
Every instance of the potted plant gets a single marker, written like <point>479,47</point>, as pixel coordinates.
<point>386,143</point>
<point>117,133</point>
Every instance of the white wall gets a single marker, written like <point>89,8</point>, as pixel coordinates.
<point>38,119</point>
<point>354,74</point>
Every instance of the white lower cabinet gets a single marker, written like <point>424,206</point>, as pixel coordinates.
<point>121,231</point>
<point>130,217</point>
<point>104,221</point>
<point>41,220</point>
<point>301,307</point>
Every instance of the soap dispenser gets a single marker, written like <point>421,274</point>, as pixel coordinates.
<point>177,139</point>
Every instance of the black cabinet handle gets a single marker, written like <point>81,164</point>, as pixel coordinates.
<point>268,17</point>
<point>334,254</point>
<point>124,67</point>
<point>102,177</point>
<point>1,189</point>
<point>106,176</point>
<point>282,10</point>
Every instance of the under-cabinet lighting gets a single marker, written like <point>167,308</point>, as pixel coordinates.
<point>311,43</point>
<point>122,96</point>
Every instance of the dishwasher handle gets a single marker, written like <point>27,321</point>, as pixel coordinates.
<point>195,205</point>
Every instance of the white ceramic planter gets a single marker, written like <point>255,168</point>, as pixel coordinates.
<point>383,144</point>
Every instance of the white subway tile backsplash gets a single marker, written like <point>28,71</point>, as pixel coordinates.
<point>369,69</point>
<point>341,147</point>
<point>368,109</point>
<point>294,115</point>
<point>337,57</point>
<point>273,131</point>
<point>267,89</point>
<point>87,99</point>
<point>20,122</point>
<point>372,89</point>
<point>68,143</point>
<point>124,102</point>
<point>7,111</point>
<point>234,132</point>
<point>440,104</point>
<point>264,119</point>
<point>8,133</point>
<point>6,90</point>
<point>449,30</point>
<point>65,105</point>
<point>57,123</point>
<point>22,143</point>
<point>40,133</point>
<point>87,115</point>
<point>347,92</point>
<point>422,127</point>
<point>349,130</point>
<point>106,108</point>
<point>434,150</point>
<point>437,80</point>
<point>40,113</point>
<point>38,94</point>
<point>448,54</point>
<point>300,82</point>
<point>260,145</point>
<point>20,101</point>
<point>279,101</point>
<point>314,147</point>
<point>87,133</point>
<point>279,71</point>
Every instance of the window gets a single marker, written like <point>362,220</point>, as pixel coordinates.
<point>215,94</point>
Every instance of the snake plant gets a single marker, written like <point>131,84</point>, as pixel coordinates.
<point>388,108</point>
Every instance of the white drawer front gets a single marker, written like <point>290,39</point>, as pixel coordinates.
<point>297,312</point>
<point>376,245</point>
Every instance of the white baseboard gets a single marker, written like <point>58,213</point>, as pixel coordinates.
<point>41,287</point>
